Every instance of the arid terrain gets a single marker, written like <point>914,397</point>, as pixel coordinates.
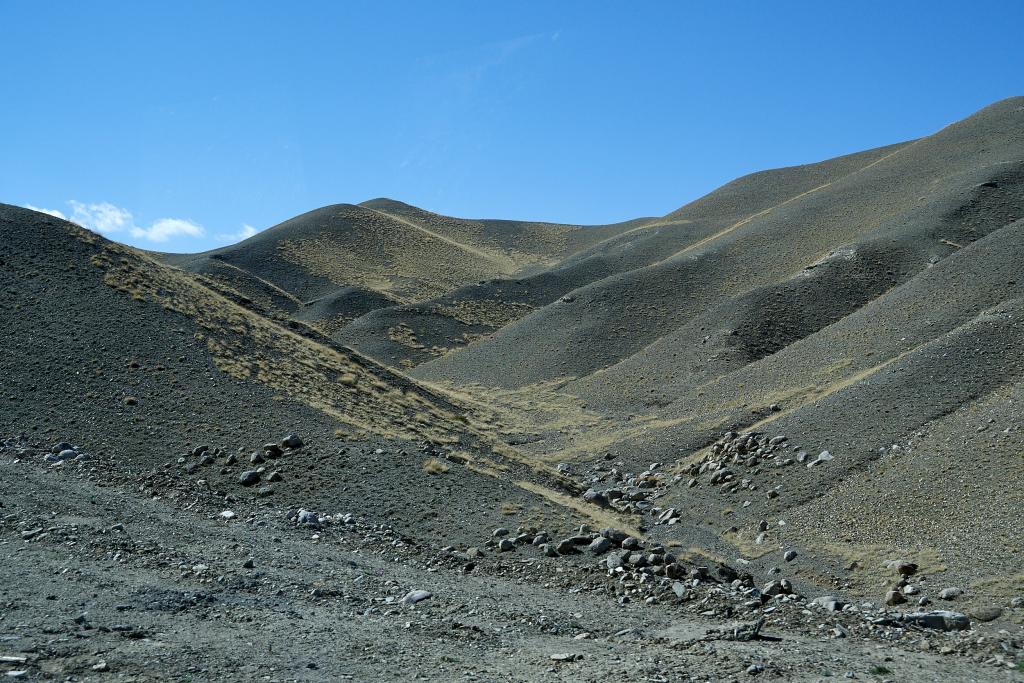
<point>774,434</point>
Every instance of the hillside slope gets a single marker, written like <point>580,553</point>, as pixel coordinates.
<point>922,199</point>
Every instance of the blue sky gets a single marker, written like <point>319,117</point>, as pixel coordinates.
<point>183,126</point>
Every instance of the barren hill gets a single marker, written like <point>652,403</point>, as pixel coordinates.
<point>792,405</point>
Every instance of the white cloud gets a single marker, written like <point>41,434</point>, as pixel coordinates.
<point>106,218</point>
<point>166,228</point>
<point>246,232</point>
<point>103,217</point>
<point>52,212</point>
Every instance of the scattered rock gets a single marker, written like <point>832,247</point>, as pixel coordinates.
<point>984,614</point>
<point>565,657</point>
<point>506,545</point>
<point>830,603</point>
<point>416,596</point>
<point>249,478</point>
<point>824,456</point>
<point>906,568</point>
<point>951,593</point>
<point>599,545</point>
<point>894,597</point>
<point>789,555</point>
<point>941,620</point>
<point>292,441</point>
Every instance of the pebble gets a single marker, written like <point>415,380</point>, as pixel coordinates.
<point>249,564</point>
<point>415,596</point>
<point>227,514</point>
<point>830,602</point>
<point>565,546</point>
<point>565,657</point>
<point>292,441</point>
<point>789,555</point>
<point>500,531</point>
<point>506,545</point>
<point>951,593</point>
<point>987,613</point>
<point>941,620</point>
<point>894,597</point>
<point>249,477</point>
<point>599,545</point>
<point>824,456</point>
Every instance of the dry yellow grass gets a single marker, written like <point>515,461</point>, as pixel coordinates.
<point>435,466</point>
<point>360,394</point>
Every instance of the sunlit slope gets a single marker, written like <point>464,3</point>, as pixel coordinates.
<point>773,275</point>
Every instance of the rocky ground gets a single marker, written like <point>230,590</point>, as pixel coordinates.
<point>109,575</point>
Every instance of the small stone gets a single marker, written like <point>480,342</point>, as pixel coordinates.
<point>308,517</point>
<point>416,596</point>
<point>540,539</point>
<point>549,550</point>
<point>596,498</point>
<point>824,456</point>
<point>754,669</point>
<point>265,491</point>
<point>906,568</point>
<point>249,478</point>
<point>941,620</point>
<point>1017,603</point>
<point>680,590</point>
<point>256,458</point>
<point>499,532</point>
<point>911,590</point>
<point>272,450</point>
<point>292,441</point>
<point>894,597</point>
<point>789,555</point>
<point>506,545</point>
<point>984,614</point>
<point>563,657</point>
<point>249,564</point>
<point>951,593</point>
<point>830,603</point>
<point>227,514</point>
<point>274,476</point>
<point>614,535</point>
<point>100,666</point>
<point>566,546</point>
<point>630,543</point>
<point>599,545</point>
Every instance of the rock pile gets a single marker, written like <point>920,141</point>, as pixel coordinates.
<point>732,455</point>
